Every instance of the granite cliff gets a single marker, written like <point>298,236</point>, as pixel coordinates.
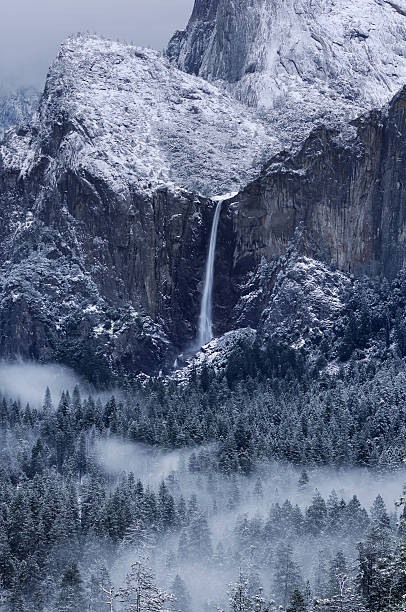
<point>300,62</point>
<point>106,202</point>
<point>104,231</point>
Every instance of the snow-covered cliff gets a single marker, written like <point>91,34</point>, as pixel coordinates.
<point>100,205</point>
<point>302,62</point>
<point>132,118</point>
<point>16,106</point>
<point>104,196</point>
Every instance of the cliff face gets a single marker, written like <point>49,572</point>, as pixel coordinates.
<point>339,201</point>
<point>335,59</point>
<point>103,237</point>
<point>345,191</point>
<point>106,209</point>
<point>86,272</point>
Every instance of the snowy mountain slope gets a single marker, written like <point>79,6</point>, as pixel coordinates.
<point>101,249</point>
<point>301,62</point>
<point>17,106</point>
<point>299,300</point>
<point>106,219</point>
<point>132,118</point>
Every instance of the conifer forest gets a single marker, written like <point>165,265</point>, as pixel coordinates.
<point>203,306</point>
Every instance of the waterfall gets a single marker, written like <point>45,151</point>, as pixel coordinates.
<point>205,333</point>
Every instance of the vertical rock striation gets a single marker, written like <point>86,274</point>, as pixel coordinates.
<point>331,59</point>
<point>106,198</point>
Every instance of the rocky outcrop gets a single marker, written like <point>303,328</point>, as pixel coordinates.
<point>346,192</point>
<point>332,59</point>
<point>17,106</point>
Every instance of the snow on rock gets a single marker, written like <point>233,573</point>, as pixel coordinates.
<point>16,106</point>
<point>124,114</point>
<point>16,151</point>
<point>215,354</point>
<point>306,300</point>
<point>301,62</point>
<point>300,300</point>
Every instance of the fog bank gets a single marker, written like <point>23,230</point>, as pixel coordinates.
<point>27,382</point>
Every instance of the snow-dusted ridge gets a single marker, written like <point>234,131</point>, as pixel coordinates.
<point>16,106</point>
<point>131,118</point>
<point>300,62</point>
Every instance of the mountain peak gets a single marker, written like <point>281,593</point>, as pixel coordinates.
<point>131,116</point>
<point>334,59</point>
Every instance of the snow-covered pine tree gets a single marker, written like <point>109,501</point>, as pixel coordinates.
<point>141,594</point>
<point>71,596</point>
<point>182,603</point>
<point>240,600</point>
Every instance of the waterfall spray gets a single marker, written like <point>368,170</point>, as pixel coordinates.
<point>205,333</point>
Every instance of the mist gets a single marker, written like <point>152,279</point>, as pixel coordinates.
<point>280,480</point>
<point>151,465</point>
<point>138,493</point>
<point>31,32</point>
<point>226,501</point>
<point>28,382</point>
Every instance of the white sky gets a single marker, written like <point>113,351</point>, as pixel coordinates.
<point>32,30</point>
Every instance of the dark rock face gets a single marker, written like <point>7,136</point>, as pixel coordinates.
<point>201,27</point>
<point>102,259</point>
<point>87,273</point>
<point>347,194</point>
<point>218,40</point>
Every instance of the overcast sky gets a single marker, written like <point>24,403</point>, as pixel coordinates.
<point>31,30</point>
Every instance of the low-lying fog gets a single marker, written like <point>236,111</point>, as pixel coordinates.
<point>226,501</point>
<point>279,481</point>
<point>27,382</point>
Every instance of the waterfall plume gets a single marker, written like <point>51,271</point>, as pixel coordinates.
<point>205,332</point>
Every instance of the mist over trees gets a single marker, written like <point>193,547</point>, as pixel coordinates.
<point>237,523</point>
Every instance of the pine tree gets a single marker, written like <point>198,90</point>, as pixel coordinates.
<point>259,603</point>
<point>357,519</point>
<point>379,514</point>
<point>199,538</point>
<point>99,587</point>
<point>303,481</point>
<point>258,490</point>
<point>373,583</point>
<point>240,600</point>
<point>71,595</point>
<point>345,598</point>
<point>47,404</point>
<point>81,456</point>
<point>287,576</point>
<point>316,515</point>
<point>141,593</point>
<point>139,535</point>
<point>392,572</point>
<point>182,602</point>
<point>6,565</point>
<point>297,602</point>
<point>228,455</point>
<point>322,576</point>
<point>338,569</point>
